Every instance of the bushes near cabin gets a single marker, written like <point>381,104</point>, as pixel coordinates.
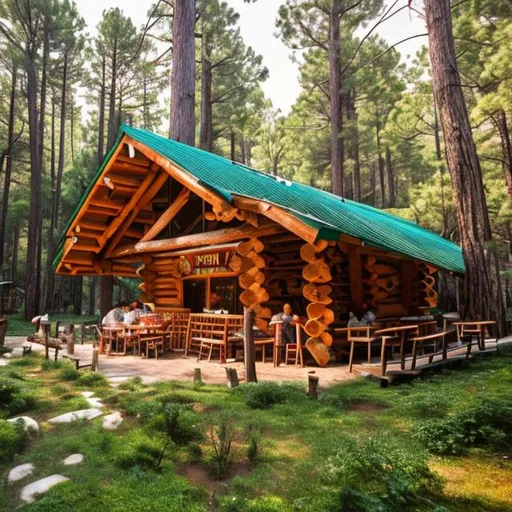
<point>488,424</point>
<point>16,396</point>
<point>11,439</point>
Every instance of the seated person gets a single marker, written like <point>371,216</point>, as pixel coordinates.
<point>115,316</point>
<point>289,322</point>
<point>133,316</point>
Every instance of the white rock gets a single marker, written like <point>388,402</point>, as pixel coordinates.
<point>87,394</point>
<point>76,458</point>
<point>20,472</point>
<point>29,425</point>
<point>83,414</point>
<point>112,421</point>
<point>4,362</point>
<point>94,402</point>
<point>17,352</point>
<point>31,491</point>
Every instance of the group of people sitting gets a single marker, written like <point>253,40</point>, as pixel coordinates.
<point>128,313</point>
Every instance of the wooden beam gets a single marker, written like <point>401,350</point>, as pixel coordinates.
<point>168,215</point>
<point>196,250</point>
<point>355,271</point>
<point>119,179</point>
<point>96,186</point>
<point>161,178</point>
<point>179,174</point>
<point>278,215</point>
<point>200,239</point>
<point>129,207</point>
<point>141,162</point>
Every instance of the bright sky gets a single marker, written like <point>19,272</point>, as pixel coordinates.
<point>257,22</point>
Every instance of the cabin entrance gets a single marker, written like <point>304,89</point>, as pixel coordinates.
<point>212,294</point>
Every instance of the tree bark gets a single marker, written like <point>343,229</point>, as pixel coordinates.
<point>391,179</point>
<point>183,72</point>
<point>206,132</point>
<point>106,294</point>
<point>101,115</point>
<point>77,295</point>
<point>33,274</point>
<point>356,172</point>
<point>112,134</point>
<point>506,147</point>
<point>481,291</point>
<point>8,168</point>
<point>335,100</point>
<point>249,351</point>
<point>92,295</point>
<point>233,146</point>
<point>439,156</point>
<point>46,52</point>
<point>380,163</point>
<point>14,263</point>
<point>62,141</point>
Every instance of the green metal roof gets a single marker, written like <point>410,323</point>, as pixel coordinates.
<point>316,207</point>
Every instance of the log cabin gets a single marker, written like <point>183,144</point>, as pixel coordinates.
<point>204,232</point>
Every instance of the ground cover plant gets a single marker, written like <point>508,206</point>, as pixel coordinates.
<point>19,326</point>
<point>268,447</point>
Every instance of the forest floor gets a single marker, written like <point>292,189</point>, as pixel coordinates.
<point>357,444</point>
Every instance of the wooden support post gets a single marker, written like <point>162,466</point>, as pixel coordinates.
<point>356,280</point>
<point>46,348</point>
<point>232,376</point>
<point>313,386</point>
<point>95,354</point>
<point>71,345</point>
<point>249,352</point>
<point>198,380</point>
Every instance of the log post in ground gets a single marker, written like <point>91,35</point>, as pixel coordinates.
<point>232,376</point>
<point>198,380</point>
<point>313,386</point>
<point>95,353</point>
<point>249,352</point>
<point>70,345</point>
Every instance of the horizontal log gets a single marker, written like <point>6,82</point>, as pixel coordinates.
<point>198,239</point>
<point>140,161</point>
<point>121,179</point>
<point>106,203</point>
<point>314,328</point>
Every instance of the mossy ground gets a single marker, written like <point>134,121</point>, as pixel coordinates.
<point>297,439</point>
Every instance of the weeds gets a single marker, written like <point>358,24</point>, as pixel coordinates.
<point>221,438</point>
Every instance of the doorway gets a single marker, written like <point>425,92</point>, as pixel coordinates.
<point>194,291</point>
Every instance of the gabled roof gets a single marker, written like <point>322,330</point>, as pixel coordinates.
<point>320,209</point>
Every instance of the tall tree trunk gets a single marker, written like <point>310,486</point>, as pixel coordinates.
<point>77,296</point>
<point>439,156</point>
<point>206,133</point>
<point>391,179</point>
<point>101,114</point>
<point>233,146</point>
<point>92,295</point>
<point>14,262</point>
<point>8,168</point>
<point>481,291</point>
<point>506,146</point>
<point>106,294</point>
<point>356,172</point>
<point>42,111</point>
<point>50,276</point>
<point>62,141</point>
<point>33,274</point>
<point>112,134</point>
<point>335,91</point>
<point>72,128</point>
<point>380,162</point>
<point>183,72</point>
<point>373,183</point>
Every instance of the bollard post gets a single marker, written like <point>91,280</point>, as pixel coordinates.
<point>197,376</point>
<point>232,376</point>
<point>313,386</point>
<point>94,366</point>
<point>249,352</point>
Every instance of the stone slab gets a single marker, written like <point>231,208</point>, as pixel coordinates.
<point>20,472</point>
<point>112,421</point>
<point>82,414</point>
<point>30,492</point>
<point>29,425</point>
<point>72,460</point>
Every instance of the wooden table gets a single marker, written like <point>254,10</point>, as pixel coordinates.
<point>145,332</point>
<point>476,327</point>
<point>360,334</point>
<point>395,337</point>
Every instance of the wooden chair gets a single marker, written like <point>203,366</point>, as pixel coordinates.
<point>294,351</point>
<point>363,335</point>
<point>110,337</point>
<point>435,342</point>
<point>176,320</point>
<point>153,340</point>
<point>395,337</point>
<point>213,334</point>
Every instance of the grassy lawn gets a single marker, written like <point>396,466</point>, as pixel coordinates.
<point>18,326</point>
<point>356,449</point>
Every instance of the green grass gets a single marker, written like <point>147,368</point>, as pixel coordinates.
<point>355,443</point>
<point>18,326</point>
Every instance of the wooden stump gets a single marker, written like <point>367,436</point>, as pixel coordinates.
<point>313,386</point>
<point>197,377</point>
<point>232,376</point>
<point>249,351</point>
<point>95,355</point>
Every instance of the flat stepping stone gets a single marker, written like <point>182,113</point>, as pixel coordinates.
<point>30,425</point>
<point>112,421</point>
<point>20,472</point>
<point>31,491</point>
<point>76,458</point>
<point>87,394</point>
<point>94,402</point>
<point>82,414</point>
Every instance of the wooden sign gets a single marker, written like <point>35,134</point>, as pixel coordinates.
<point>218,260</point>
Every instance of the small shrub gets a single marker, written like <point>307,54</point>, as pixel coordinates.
<point>263,395</point>
<point>11,439</point>
<point>49,365</point>
<point>16,396</point>
<point>130,384</point>
<point>69,373</point>
<point>374,476</point>
<point>488,424</point>
<point>221,438</point>
<point>253,448</point>
<point>91,379</point>
<point>144,453</point>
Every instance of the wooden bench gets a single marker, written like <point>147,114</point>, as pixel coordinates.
<point>176,327</point>
<point>48,343</point>
<point>76,360</point>
<point>211,331</point>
